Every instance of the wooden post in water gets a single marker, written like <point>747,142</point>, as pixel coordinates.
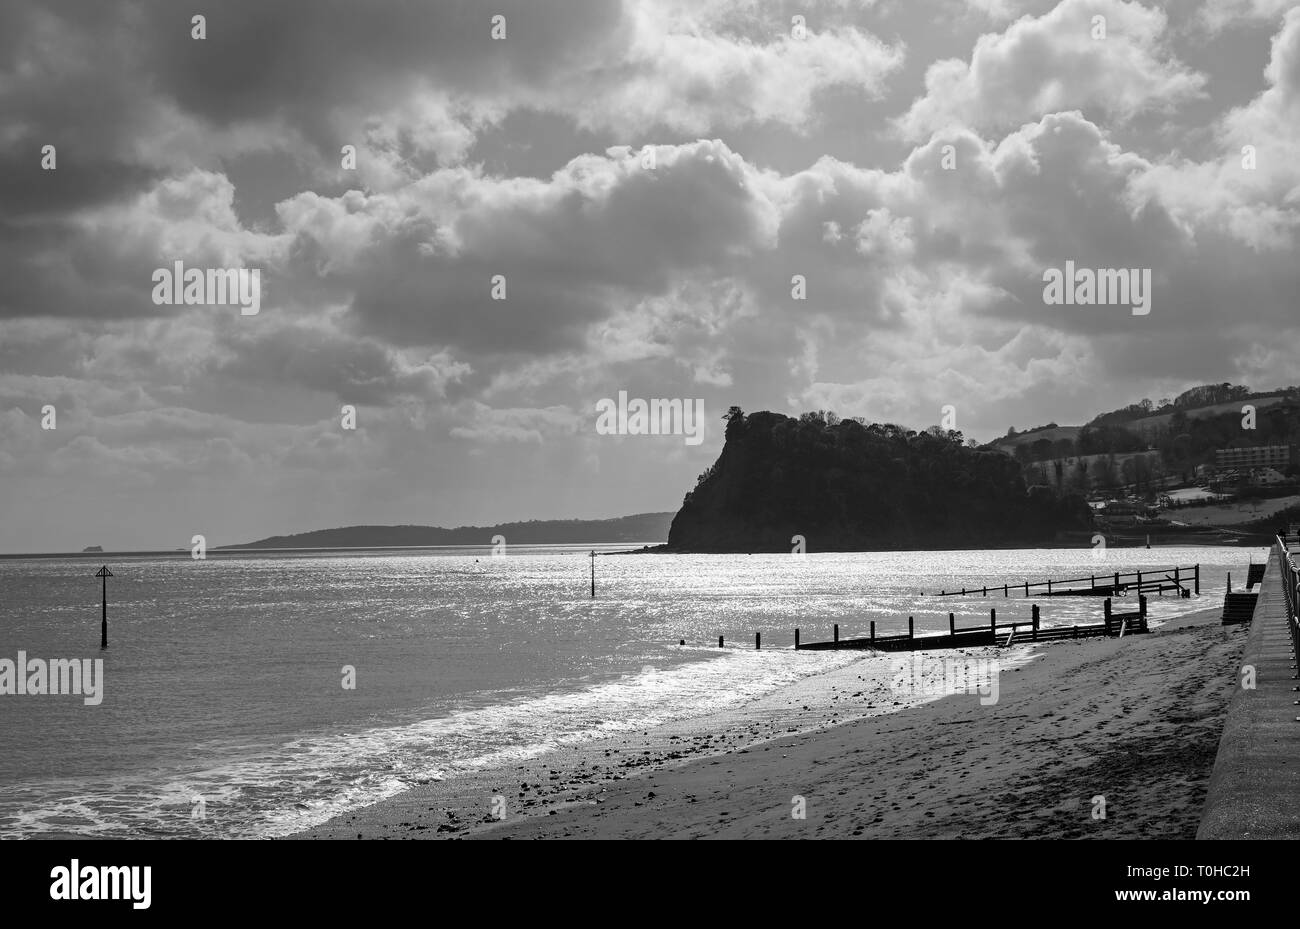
<point>105,574</point>
<point>837,632</point>
<point>1198,580</point>
<point>986,592</point>
<point>719,641</point>
<point>1115,589</point>
<point>593,574</point>
<point>1229,582</point>
<point>873,630</point>
<point>1140,581</point>
<point>1004,591</point>
<point>952,624</point>
<point>758,641</point>
<point>1049,588</point>
<point>911,631</point>
<point>1035,622</point>
<point>1106,608</point>
<point>796,638</point>
<point>1026,588</point>
<point>993,622</point>
<point>1092,581</point>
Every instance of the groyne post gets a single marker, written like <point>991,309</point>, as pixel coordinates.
<point>719,641</point>
<point>796,638</point>
<point>1035,612</point>
<point>837,632</point>
<point>993,622</point>
<point>758,641</point>
<point>911,629</point>
<point>873,630</point>
<point>1198,580</point>
<point>952,624</point>
<point>1106,609</point>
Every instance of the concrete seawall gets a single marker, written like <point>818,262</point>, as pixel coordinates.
<point>1254,790</point>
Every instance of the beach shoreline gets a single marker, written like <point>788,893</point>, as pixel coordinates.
<point>1128,728</point>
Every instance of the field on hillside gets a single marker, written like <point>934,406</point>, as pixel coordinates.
<point>1139,426</point>
<point>1234,406</point>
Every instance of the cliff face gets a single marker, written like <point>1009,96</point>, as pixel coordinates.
<point>847,487</point>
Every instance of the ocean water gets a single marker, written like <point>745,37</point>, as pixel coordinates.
<point>224,677</point>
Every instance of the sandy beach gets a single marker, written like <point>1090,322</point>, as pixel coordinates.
<point>1136,721</point>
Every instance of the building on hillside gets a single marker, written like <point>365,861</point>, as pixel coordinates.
<point>1267,477</point>
<point>1254,456</point>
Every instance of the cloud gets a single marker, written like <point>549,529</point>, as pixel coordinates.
<point>1052,63</point>
<point>1250,192</point>
<point>523,160</point>
<point>1220,14</point>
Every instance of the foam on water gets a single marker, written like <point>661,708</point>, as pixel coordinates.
<point>277,791</point>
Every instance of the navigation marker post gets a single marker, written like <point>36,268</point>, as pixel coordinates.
<point>104,574</point>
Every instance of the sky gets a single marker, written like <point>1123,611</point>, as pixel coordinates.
<point>830,204</point>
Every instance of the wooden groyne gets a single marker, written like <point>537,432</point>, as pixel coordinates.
<point>1239,605</point>
<point>1183,580</point>
<point>994,633</point>
<point>1254,790</point>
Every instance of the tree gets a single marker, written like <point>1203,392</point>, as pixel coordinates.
<point>735,419</point>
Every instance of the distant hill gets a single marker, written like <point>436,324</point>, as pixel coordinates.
<point>643,527</point>
<point>848,486</point>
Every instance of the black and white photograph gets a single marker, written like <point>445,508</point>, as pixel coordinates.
<point>607,420</point>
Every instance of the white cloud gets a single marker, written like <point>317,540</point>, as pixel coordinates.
<point>1052,63</point>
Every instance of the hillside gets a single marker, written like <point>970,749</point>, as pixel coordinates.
<point>1163,420</point>
<point>1185,431</point>
<point>641,528</point>
<point>848,486</point>
<point>1050,433</point>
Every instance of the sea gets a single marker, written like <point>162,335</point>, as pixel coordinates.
<point>272,691</point>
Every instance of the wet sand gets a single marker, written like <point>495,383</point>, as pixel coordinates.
<point>1135,722</point>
